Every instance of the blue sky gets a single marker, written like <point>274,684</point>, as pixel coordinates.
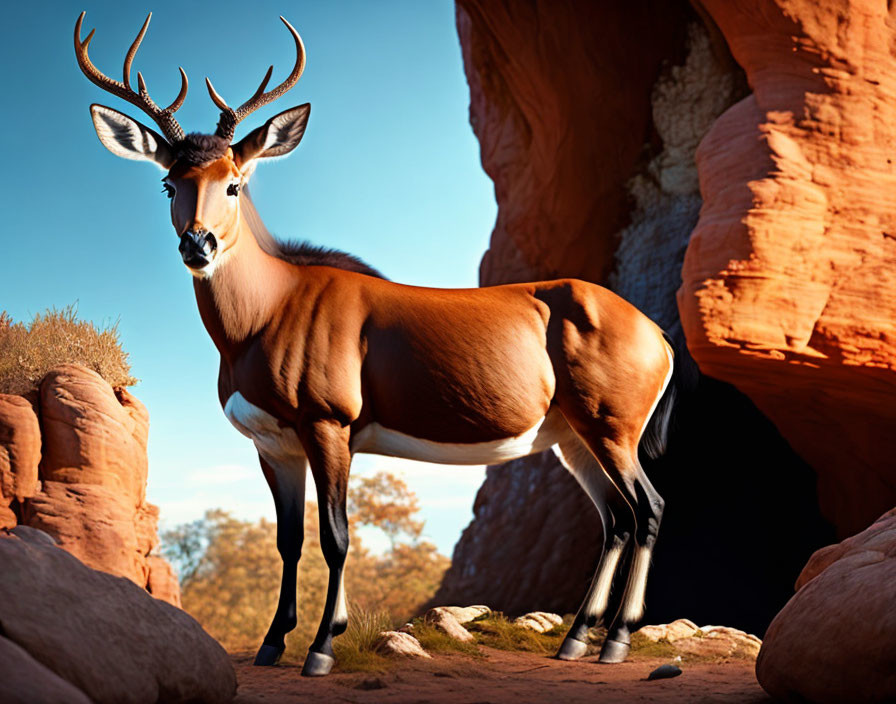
<point>388,170</point>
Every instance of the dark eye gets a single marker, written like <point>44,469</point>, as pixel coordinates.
<point>168,190</point>
<point>233,189</point>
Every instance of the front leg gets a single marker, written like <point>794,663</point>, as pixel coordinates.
<point>287,482</point>
<point>326,443</point>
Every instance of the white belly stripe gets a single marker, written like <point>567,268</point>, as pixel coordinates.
<point>279,443</point>
<point>375,438</point>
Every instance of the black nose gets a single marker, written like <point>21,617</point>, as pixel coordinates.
<point>197,248</point>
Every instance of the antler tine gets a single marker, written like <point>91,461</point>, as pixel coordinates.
<point>163,118</point>
<point>132,52</point>
<point>179,100</point>
<point>230,117</point>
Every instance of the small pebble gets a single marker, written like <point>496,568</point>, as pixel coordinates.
<point>664,672</point>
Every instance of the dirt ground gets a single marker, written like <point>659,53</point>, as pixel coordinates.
<point>501,677</point>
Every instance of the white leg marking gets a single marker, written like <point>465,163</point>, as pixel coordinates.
<point>633,603</point>
<point>599,594</point>
<point>340,615</point>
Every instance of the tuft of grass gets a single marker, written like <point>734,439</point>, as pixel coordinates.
<point>496,631</point>
<point>29,351</point>
<point>435,641</point>
<point>644,647</point>
<point>354,649</point>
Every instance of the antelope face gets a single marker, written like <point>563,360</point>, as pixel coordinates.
<point>205,172</point>
<point>204,210</point>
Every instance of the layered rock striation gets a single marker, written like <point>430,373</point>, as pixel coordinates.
<point>73,464</point>
<point>788,281</point>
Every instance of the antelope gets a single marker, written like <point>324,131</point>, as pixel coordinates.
<point>322,358</point>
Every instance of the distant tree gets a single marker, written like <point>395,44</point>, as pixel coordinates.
<point>384,501</point>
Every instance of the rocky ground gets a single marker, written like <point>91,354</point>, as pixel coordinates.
<point>502,676</point>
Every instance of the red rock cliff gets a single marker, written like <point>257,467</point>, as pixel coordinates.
<point>73,464</point>
<point>788,283</point>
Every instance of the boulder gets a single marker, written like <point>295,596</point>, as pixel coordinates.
<point>399,643</point>
<point>444,620</point>
<point>19,455</point>
<point>23,680</point>
<point>539,621</point>
<point>102,634</point>
<point>835,640</point>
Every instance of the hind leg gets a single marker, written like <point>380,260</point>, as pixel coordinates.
<point>618,525</point>
<point>648,505</point>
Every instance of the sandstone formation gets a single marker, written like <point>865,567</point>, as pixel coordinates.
<point>835,640</point>
<point>788,281</point>
<point>762,127</point>
<point>19,456</point>
<point>73,463</point>
<point>561,127</point>
<point>101,634</point>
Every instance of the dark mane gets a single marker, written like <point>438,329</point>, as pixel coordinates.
<point>307,254</point>
<point>196,149</point>
<point>301,253</point>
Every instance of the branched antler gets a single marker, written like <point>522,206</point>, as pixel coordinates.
<point>163,117</point>
<point>230,117</point>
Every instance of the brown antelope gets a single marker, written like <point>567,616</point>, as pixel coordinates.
<point>321,357</point>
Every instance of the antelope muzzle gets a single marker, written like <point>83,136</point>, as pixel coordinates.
<point>198,248</point>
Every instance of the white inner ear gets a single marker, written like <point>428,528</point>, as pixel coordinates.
<point>127,138</point>
<point>284,133</point>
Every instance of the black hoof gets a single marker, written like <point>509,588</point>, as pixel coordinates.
<point>571,649</point>
<point>317,664</point>
<point>268,655</point>
<point>613,652</point>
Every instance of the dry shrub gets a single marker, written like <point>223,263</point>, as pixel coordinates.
<point>29,351</point>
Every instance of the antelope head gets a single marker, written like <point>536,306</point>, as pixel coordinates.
<point>205,173</point>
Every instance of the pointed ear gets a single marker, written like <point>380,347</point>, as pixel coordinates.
<point>276,137</point>
<point>127,138</point>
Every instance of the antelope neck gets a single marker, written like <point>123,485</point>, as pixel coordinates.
<point>240,297</point>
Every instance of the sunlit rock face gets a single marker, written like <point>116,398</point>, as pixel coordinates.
<point>73,463</point>
<point>788,283</point>
<point>745,197</point>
